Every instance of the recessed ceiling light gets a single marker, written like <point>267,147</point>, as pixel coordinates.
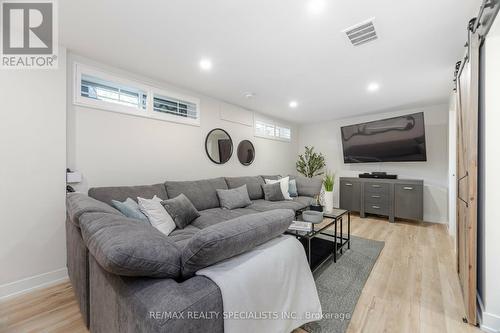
<point>316,7</point>
<point>206,64</point>
<point>372,87</point>
<point>293,104</point>
<point>249,95</point>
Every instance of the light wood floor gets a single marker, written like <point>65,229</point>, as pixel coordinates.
<point>412,288</point>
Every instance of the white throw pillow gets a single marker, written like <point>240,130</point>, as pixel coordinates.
<point>283,185</point>
<point>157,214</point>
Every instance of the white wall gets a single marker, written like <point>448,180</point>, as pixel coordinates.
<point>489,245</point>
<point>117,149</point>
<point>32,173</point>
<point>325,137</point>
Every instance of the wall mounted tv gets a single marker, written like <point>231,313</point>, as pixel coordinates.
<point>398,139</point>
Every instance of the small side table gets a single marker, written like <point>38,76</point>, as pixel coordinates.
<point>337,215</point>
<point>338,242</point>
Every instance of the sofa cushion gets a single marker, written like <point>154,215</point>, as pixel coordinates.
<point>253,185</point>
<point>129,247</point>
<point>202,193</point>
<point>234,198</point>
<point>213,216</point>
<point>272,177</point>
<point>308,187</point>
<point>272,192</point>
<point>181,210</point>
<point>181,236</point>
<point>306,201</point>
<point>78,203</point>
<point>264,206</point>
<point>230,238</point>
<point>121,193</point>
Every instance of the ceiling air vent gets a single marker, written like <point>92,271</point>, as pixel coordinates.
<point>361,33</point>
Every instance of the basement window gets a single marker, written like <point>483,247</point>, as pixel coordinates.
<point>174,106</point>
<point>270,130</point>
<point>111,92</point>
<point>104,91</point>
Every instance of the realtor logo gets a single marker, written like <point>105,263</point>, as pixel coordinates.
<point>28,34</point>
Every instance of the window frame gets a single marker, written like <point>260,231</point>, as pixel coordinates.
<point>149,90</point>
<point>275,124</point>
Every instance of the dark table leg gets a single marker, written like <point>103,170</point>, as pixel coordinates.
<point>341,235</point>
<point>348,230</point>
<point>335,240</point>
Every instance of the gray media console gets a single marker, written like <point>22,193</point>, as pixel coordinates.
<point>401,198</point>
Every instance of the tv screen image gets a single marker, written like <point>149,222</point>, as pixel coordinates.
<point>398,139</point>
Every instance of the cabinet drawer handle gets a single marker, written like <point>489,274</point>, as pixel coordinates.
<point>408,188</point>
<point>376,196</point>
<point>376,207</point>
<point>376,186</point>
<point>348,184</point>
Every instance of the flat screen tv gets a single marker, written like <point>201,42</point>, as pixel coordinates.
<point>398,139</point>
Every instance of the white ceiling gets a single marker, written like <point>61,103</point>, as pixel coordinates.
<point>279,50</point>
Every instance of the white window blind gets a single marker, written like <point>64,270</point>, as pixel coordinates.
<point>271,130</point>
<point>283,132</point>
<point>110,92</point>
<point>175,107</point>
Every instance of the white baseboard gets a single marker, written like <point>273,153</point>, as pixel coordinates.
<point>32,283</point>
<point>488,322</point>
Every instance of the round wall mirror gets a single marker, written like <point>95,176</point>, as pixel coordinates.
<point>246,152</point>
<point>219,146</point>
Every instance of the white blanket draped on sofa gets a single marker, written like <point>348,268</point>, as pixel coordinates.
<point>269,289</point>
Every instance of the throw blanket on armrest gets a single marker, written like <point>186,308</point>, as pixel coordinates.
<point>268,289</point>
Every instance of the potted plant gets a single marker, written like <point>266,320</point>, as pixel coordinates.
<point>328,182</point>
<point>310,164</point>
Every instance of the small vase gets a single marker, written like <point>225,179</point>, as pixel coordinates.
<point>328,200</point>
<point>322,196</point>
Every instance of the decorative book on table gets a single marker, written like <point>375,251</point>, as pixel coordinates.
<point>300,226</point>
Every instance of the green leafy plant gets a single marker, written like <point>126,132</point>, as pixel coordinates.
<point>328,181</point>
<point>310,164</point>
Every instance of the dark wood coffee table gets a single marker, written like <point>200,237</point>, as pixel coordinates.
<point>319,250</point>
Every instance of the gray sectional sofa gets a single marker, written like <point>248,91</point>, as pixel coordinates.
<point>129,277</point>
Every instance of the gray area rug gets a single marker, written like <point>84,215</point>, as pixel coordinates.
<point>340,284</point>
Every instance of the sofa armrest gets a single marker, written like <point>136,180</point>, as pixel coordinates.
<point>78,204</point>
<point>230,238</point>
<point>127,305</point>
<point>128,247</point>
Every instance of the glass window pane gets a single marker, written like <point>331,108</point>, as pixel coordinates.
<point>111,92</point>
<point>175,107</point>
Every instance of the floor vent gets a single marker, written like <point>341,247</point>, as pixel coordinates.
<point>361,33</point>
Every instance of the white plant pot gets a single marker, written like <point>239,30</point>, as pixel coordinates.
<point>328,198</point>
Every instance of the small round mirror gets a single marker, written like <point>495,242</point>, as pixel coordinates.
<point>219,146</point>
<point>246,152</point>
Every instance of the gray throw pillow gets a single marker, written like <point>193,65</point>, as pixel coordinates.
<point>234,198</point>
<point>130,208</point>
<point>272,192</point>
<point>292,188</point>
<point>181,210</point>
